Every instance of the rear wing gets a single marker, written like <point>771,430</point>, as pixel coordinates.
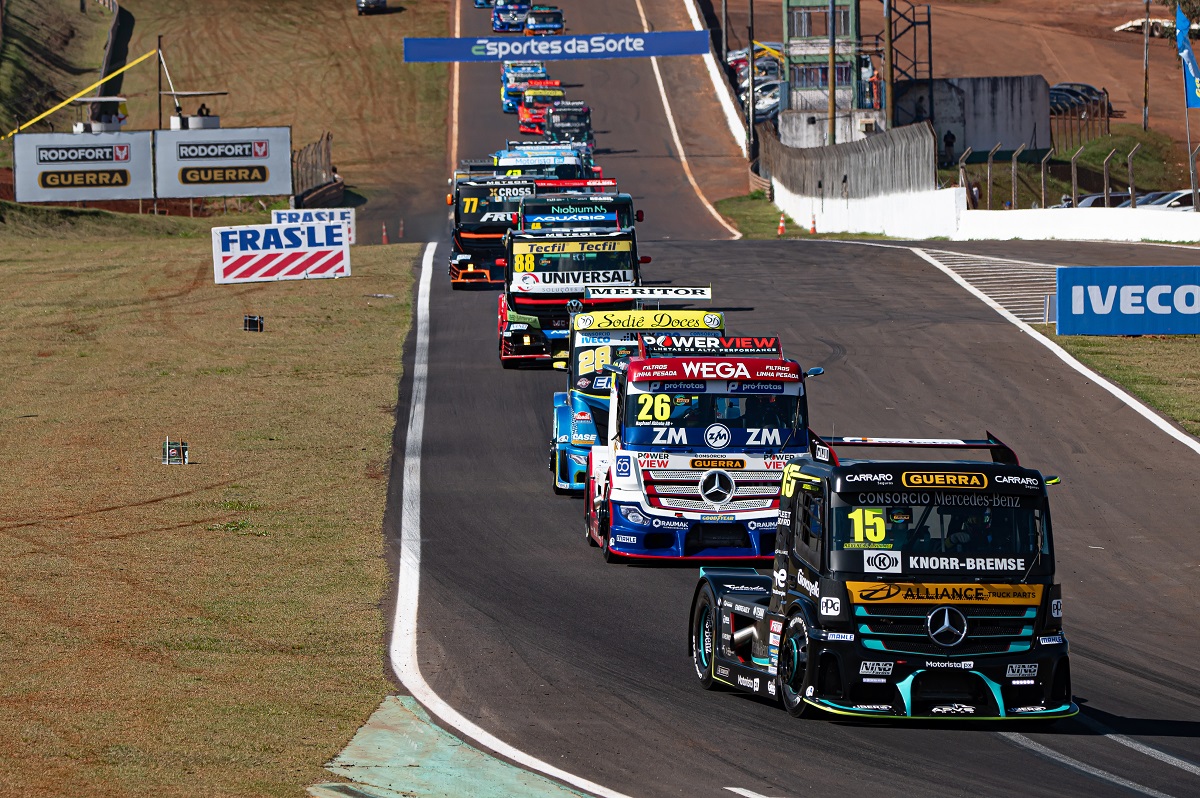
<point>823,451</point>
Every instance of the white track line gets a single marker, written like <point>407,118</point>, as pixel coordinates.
<point>1064,356</point>
<point>687,169</point>
<point>737,127</point>
<point>403,651</point>
<point>1161,756</point>
<point>1082,767</point>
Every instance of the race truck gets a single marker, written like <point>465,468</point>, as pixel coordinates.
<point>544,21</point>
<point>689,466</point>
<point>509,17</point>
<point>561,211</point>
<point>531,149</point>
<point>483,3</point>
<point>513,90</point>
<point>554,166</point>
<point>568,122</point>
<point>531,111</point>
<point>484,210</point>
<point>547,274</point>
<point>900,589</point>
<point>598,339</point>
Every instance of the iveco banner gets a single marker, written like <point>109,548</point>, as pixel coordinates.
<point>50,167</point>
<point>1128,300</point>
<point>223,162</point>
<point>557,48</point>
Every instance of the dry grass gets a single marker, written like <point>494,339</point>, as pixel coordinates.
<point>1161,370</point>
<point>211,629</point>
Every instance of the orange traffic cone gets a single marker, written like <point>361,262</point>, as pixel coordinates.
<point>813,229</point>
<point>384,226</point>
<point>779,232</point>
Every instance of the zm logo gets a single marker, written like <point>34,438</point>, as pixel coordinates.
<point>717,436</point>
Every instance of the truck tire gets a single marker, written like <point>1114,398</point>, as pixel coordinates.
<point>554,469</point>
<point>587,510</point>
<point>793,666</point>
<point>604,527</point>
<point>705,620</point>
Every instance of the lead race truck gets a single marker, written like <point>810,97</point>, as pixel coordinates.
<point>900,589</point>
<point>699,430</point>
<point>581,411</point>
<point>547,274</point>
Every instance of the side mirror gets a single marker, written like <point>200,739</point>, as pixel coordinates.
<point>1053,480</point>
<point>449,199</point>
<point>560,365</point>
<point>501,261</point>
<point>815,371</point>
<point>639,216</point>
<point>645,259</point>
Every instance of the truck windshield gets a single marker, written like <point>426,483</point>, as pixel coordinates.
<point>939,531</point>
<point>482,205</point>
<point>555,171</point>
<point>545,18</point>
<point>589,359</point>
<point>674,414</point>
<point>543,214</point>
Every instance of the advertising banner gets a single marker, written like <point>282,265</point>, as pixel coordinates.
<point>343,215</point>
<point>649,292</point>
<point>557,48</point>
<point>1128,300</point>
<point>266,252</point>
<point>223,162</point>
<point>69,167</point>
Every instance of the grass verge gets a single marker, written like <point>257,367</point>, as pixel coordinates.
<point>757,219</point>
<point>1161,370</point>
<point>208,629</point>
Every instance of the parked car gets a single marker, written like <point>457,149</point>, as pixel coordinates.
<point>370,6</point>
<point>760,48</point>
<point>1175,200</point>
<point>1145,198</point>
<point>1087,90</point>
<point>766,68</point>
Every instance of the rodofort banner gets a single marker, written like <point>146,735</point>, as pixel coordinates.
<point>223,162</point>
<point>69,167</point>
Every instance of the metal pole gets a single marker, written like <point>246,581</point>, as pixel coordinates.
<point>1075,178</point>
<point>750,93</point>
<point>1106,160</point>
<point>1044,160</point>
<point>889,113</point>
<point>1187,119</point>
<point>991,155</point>
<point>1129,164</point>
<point>1145,70</point>
<point>832,24</point>
<point>1192,167</point>
<point>1016,154</point>
<point>160,69</point>
<point>962,178</point>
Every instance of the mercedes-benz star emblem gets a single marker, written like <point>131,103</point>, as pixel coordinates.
<point>574,306</point>
<point>947,626</point>
<point>716,487</point>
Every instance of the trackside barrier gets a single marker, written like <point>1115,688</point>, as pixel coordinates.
<point>1080,224</point>
<point>311,216</point>
<point>737,127</point>
<point>921,214</point>
<point>265,252</point>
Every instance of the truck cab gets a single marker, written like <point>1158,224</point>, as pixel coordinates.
<point>570,121</point>
<point>485,209</point>
<point>561,211</point>
<point>901,588</point>
<point>581,411</point>
<point>544,21</point>
<point>700,428</point>
<point>547,274</point>
<point>531,111</point>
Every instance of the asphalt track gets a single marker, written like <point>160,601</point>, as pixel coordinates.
<point>526,631</point>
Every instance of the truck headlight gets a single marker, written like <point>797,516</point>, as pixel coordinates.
<point>578,459</point>
<point>634,516</point>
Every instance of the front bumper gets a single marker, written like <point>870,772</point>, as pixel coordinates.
<point>467,272</point>
<point>532,344</point>
<point>691,536</point>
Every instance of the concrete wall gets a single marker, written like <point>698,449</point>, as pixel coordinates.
<point>796,131</point>
<point>927,214</point>
<point>983,112</point>
<point>1080,224</point>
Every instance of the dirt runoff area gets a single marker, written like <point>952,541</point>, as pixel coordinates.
<point>1064,40</point>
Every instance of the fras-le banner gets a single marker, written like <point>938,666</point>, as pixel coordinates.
<point>310,216</point>
<point>267,252</point>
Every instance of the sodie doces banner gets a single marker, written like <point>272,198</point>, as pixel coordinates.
<point>556,48</point>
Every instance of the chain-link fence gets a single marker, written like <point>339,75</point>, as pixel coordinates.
<point>897,161</point>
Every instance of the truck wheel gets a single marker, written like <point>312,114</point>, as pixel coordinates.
<point>704,631</point>
<point>508,364</point>
<point>793,666</point>
<point>604,528</point>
